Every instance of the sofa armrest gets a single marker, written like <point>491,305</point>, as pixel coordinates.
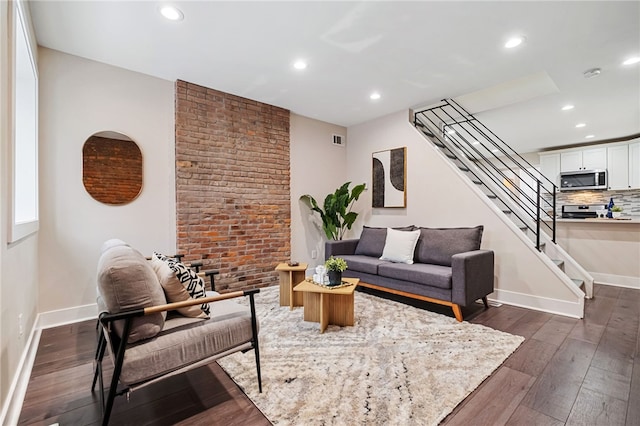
<point>340,247</point>
<point>472,276</point>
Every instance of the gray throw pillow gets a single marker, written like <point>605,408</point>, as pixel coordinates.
<point>437,245</point>
<point>126,281</point>
<point>372,240</point>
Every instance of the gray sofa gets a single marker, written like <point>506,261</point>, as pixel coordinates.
<point>448,266</point>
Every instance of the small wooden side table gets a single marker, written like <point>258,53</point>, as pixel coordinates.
<point>289,276</point>
<point>326,305</point>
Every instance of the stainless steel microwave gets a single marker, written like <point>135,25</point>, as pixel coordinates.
<point>583,179</point>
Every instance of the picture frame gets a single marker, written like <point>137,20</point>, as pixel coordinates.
<point>389,177</point>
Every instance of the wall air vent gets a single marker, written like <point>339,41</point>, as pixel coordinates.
<point>338,140</point>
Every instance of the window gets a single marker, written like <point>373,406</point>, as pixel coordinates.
<point>25,132</point>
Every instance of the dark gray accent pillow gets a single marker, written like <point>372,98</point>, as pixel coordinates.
<point>372,240</point>
<point>437,245</point>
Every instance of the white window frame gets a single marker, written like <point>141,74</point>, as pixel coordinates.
<point>24,168</point>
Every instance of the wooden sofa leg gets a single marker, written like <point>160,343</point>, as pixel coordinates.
<point>486,302</point>
<point>457,312</point>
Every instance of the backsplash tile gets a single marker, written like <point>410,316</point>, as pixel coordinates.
<point>628,200</point>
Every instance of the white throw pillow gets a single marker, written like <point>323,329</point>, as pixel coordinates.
<point>400,245</point>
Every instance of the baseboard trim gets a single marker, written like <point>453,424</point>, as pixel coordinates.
<point>537,303</point>
<point>616,280</point>
<point>67,316</point>
<point>12,405</point>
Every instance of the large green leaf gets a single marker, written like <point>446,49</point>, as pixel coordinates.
<point>337,215</point>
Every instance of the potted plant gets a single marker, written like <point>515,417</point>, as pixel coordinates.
<point>616,211</point>
<point>335,266</point>
<point>337,216</point>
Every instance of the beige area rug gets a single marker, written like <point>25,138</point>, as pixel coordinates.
<point>398,365</point>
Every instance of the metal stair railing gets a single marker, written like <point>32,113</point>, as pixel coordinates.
<point>470,142</point>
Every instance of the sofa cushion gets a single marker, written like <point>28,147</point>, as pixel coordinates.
<point>174,290</point>
<point>399,246</point>
<point>372,240</point>
<point>363,263</point>
<point>191,341</point>
<point>437,245</point>
<point>126,281</point>
<point>431,275</point>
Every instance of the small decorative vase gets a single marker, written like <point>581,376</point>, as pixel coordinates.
<point>616,214</point>
<point>335,277</point>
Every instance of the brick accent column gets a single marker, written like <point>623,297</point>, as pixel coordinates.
<point>232,185</point>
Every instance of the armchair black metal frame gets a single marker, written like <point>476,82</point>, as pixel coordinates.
<point>119,346</point>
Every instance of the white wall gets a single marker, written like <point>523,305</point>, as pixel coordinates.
<point>437,196</point>
<point>79,97</point>
<point>19,260</point>
<point>317,168</point>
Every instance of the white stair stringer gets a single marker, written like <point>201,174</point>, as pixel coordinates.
<point>571,267</point>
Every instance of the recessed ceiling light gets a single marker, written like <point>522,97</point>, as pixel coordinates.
<point>475,143</point>
<point>451,132</point>
<point>567,107</point>
<point>300,65</point>
<point>494,150</point>
<point>593,72</point>
<point>632,61</point>
<point>514,41</point>
<point>172,13</point>
<point>589,137</point>
<point>374,96</point>
<point>580,125</point>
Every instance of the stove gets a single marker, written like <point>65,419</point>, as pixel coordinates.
<point>583,211</point>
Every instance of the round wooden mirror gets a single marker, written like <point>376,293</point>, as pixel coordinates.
<point>112,168</point>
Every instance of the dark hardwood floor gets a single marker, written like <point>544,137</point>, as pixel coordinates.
<point>567,372</point>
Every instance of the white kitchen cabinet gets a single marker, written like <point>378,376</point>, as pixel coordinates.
<point>550,167</point>
<point>583,159</point>
<point>618,167</point>
<point>634,165</point>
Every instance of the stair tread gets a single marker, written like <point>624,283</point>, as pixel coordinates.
<point>577,281</point>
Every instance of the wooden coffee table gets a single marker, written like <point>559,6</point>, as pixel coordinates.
<point>326,305</point>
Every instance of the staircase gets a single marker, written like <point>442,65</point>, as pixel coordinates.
<point>519,190</point>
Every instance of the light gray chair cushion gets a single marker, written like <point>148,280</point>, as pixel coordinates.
<point>436,246</point>
<point>126,281</point>
<point>187,341</point>
<point>114,242</point>
<point>431,275</point>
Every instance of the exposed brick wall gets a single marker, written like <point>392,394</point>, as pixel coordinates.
<point>232,185</point>
<point>111,169</point>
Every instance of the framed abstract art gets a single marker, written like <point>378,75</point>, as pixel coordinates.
<point>389,169</point>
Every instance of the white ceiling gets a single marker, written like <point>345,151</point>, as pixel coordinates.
<point>413,53</point>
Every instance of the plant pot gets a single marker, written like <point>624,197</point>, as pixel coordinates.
<point>335,277</point>
<point>616,214</point>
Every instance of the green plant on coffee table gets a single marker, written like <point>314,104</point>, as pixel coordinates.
<point>335,264</point>
<point>337,215</point>
<point>616,209</point>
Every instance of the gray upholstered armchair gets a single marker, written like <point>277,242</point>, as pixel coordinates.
<point>149,339</point>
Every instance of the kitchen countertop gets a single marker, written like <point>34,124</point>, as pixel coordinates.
<point>628,219</point>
